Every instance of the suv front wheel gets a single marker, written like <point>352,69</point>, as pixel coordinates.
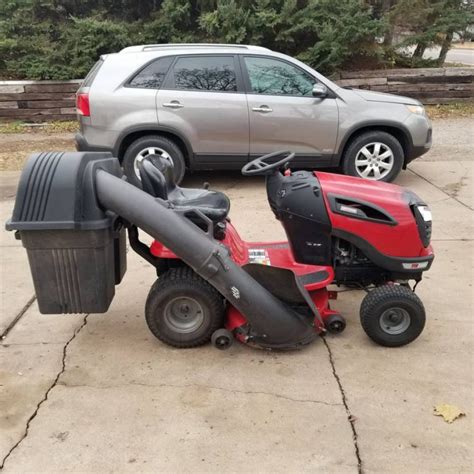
<point>374,155</point>
<point>152,145</point>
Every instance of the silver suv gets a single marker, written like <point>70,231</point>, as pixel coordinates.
<point>217,106</point>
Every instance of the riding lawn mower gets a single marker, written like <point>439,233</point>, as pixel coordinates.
<point>73,211</point>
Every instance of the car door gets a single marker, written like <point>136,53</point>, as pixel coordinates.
<point>283,114</point>
<point>203,99</point>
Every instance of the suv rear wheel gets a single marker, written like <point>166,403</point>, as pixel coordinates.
<point>149,145</point>
<point>374,155</point>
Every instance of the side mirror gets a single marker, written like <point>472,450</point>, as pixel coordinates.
<point>320,91</point>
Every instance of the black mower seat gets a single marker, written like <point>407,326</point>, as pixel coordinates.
<point>158,180</point>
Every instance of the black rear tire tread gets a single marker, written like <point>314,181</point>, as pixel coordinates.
<point>181,280</point>
<point>153,140</point>
<point>380,299</point>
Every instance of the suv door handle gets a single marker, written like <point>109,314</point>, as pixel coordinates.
<point>263,108</point>
<point>174,104</point>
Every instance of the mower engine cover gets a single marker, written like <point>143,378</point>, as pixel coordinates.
<point>389,223</point>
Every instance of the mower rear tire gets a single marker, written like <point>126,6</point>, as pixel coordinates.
<point>183,310</point>
<point>392,315</point>
<point>163,265</point>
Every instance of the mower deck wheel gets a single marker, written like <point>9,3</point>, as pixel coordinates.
<point>182,309</point>
<point>392,315</point>
<point>335,323</point>
<point>222,339</point>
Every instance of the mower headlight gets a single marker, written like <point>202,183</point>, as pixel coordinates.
<point>425,212</point>
<point>423,219</point>
<point>416,109</point>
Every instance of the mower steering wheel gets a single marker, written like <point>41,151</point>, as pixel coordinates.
<point>259,166</point>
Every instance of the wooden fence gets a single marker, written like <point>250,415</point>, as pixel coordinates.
<point>39,101</point>
<point>430,86</point>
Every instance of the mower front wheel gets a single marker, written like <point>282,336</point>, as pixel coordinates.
<point>392,315</point>
<point>183,310</point>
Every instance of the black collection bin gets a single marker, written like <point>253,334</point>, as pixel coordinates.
<point>76,250</point>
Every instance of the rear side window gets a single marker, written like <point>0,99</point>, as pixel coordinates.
<point>205,73</point>
<point>92,73</point>
<point>152,76</point>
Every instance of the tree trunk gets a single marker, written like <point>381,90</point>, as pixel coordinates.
<point>419,50</point>
<point>386,7</point>
<point>445,48</point>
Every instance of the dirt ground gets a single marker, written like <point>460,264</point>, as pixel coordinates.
<point>453,140</point>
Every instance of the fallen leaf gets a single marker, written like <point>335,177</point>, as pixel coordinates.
<point>448,412</point>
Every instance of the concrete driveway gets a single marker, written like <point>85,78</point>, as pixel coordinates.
<point>99,393</point>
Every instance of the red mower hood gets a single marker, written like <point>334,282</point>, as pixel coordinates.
<point>377,192</point>
<point>390,226</point>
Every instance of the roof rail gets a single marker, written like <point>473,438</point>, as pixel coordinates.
<point>151,47</point>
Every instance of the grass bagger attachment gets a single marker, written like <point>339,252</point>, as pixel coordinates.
<point>73,211</point>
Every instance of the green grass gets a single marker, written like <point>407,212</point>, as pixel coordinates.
<point>48,127</point>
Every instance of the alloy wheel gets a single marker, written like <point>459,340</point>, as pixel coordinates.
<point>374,161</point>
<point>152,150</point>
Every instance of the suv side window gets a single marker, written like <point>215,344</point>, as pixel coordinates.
<point>275,77</point>
<point>152,75</point>
<point>205,73</point>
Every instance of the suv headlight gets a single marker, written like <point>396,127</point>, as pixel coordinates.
<point>416,109</point>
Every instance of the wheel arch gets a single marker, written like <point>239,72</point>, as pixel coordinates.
<point>397,130</point>
<point>129,135</point>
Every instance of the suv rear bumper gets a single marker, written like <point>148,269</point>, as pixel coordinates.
<point>82,144</point>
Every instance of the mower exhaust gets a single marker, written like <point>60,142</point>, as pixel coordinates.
<point>67,213</point>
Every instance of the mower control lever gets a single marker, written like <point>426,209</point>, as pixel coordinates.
<point>260,166</point>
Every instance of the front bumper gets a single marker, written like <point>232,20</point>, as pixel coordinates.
<point>417,151</point>
<point>421,134</point>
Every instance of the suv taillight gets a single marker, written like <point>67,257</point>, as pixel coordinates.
<point>82,104</point>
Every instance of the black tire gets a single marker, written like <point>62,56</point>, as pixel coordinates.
<point>150,141</point>
<point>335,323</point>
<point>222,339</point>
<point>183,286</point>
<point>162,265</point>
<point>359,142</point>
<point>395,301</point>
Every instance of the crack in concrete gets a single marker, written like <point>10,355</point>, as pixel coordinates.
<point>441,189</point>
<point>17,318</point>
<point>45,398</point>
<point>350,417</point>
<point>210,387</point>
<point>452,240</point>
